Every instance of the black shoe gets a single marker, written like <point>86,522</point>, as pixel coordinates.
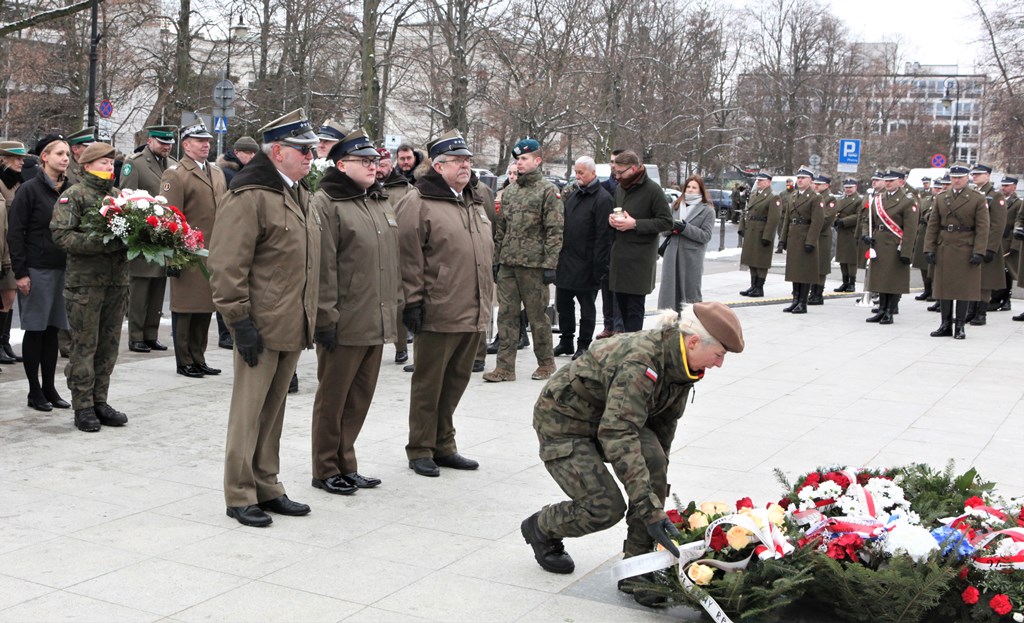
<point>293,385</point>
<point>425,467</point>
<point>579,352</point>
<point>205,369</point>
<point>409,368</point>
<point>933,308</point>
<point>55,400</point>
<point>7,350</point>
<point>410,339</point>
<point>401,356</point>
<point>283,506</point>
<point>5,358</point>
<point>563,349</point>
<point>958,332</point>
<point>549,553</point>
<point>138,347</point>
<point>191,371</point>
<point>109,416</point>
<point>1019,317</point>
<point>250,516</point>
<point>86,420</point>
<point>1005,305</point>
<point>155,345</point>
<point>226,342</point>
<point>335,484</point>
<point>972,310</point>
<point>479,365</point>
<point>455,461</point>
<point>980,316</point>
<point>492,348</point>
<point>358,480</point>
<point>524,341</point>
<point>39,403</point>
<point>945,330</point>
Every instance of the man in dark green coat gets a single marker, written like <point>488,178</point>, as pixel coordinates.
<point>894,219</point>
<point>760,222</point>
<point>1011,247</point>
<point>848,210</point>
<point>800,233</point>
<point>992,272</point>
<point>641,212</point>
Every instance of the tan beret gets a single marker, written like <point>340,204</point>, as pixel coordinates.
<point>95,151</point>
<point>722,323</point>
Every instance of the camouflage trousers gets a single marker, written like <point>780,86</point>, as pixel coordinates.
<point>95,314</point>
<point>596,503</point>
<point>520,287</point>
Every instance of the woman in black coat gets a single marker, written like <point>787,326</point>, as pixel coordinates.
<point>39,267</point>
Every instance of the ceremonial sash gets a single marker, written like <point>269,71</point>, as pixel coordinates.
<point>887,220</point>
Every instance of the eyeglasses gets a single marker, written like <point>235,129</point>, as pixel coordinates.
<point>459,160</point>
<point>366,162</point>
<point>305,150</point>
<point>622,171</point>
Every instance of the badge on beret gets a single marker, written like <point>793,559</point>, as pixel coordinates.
<point>126,169</point>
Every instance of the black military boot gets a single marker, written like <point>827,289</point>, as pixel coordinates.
<point>492,348</point>
<point>960,320</point>
<point>817,295</point>
<point>934,307</point>
<point>524,338</point>
<point>86,420</point>
<point>751,288</point>
<point>946,326</point>
<point>890,310</point>
<point>584,346</point>
<point>894,300</point>
<point>852,287</point>
<point>801,303</point>
<point>1019,317</point>
<point>563,347</point>
<point>881,310</point>
<point>980,314</point>
<point>842,288</point>
<point>758,290</point>
<point>926,294</point>
<point>796,299</point>
<point>549,553</point>
<point>7,355</point>
<point>972,310</point>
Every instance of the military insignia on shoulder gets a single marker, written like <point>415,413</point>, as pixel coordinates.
<point>166,186</point>
<point>913,207</point>
<point>651,374</point>
<point>126,169</point>
<point>63,200</point>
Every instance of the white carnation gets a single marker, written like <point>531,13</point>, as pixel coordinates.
<point>914,541</point>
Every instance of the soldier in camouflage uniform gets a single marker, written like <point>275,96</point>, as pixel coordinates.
<point>96,289</point>
<point>619,403</point>
<point>527,241</point>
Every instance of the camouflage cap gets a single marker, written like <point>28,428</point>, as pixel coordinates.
<point>722,323</point>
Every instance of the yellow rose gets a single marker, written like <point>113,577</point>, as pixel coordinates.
<point>700,574</point>
<point>753,516</point>
<point>714,508</point>
<point>776,514</point>
<point>738,537</point>
<point>698,520</point>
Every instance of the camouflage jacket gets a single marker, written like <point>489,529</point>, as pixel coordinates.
<point>619,386</point>
<point>529,228</point>
<point>91,262</point>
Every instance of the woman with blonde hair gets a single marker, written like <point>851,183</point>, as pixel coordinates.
<point>39,270</point>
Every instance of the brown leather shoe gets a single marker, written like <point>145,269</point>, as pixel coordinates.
<point>605,333</point>
<point>544,371</point>
<point>498,375</point>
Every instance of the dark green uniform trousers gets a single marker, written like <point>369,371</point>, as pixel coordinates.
<point>444,365</point>
<point>145,302</point>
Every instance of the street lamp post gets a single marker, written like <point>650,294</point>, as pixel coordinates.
<point>955,102</point>
<point>236,31</point>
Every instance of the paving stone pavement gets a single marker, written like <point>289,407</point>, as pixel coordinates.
<point>128,524</point>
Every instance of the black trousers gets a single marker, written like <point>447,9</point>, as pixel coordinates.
<point>610,307</point>
<point>566,309</point>
<point>631,306</point>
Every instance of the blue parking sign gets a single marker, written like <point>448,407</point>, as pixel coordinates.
<point>849,151</point>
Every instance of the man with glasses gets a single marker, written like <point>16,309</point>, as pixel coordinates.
<point>527,241</point>
<point>359,291</point>
<point>634,254</point>
<point>446,252</point>
<point>265,263</point>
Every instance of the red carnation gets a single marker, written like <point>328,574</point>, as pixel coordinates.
<point>863,478</point>
<point>718,539</point>
<point>811,480</point>
<point>199,236</point>
<point>152,221</point>
<point>845,546</point>
<point>1020,517</point>
<point>970,596</point>
<point>839,479</point>
<point>172,227</point>
<point>1000,604</point>
<point>744,503</point>
<point>785,502</point>
<point>974,502</point>
<point>674,516</point>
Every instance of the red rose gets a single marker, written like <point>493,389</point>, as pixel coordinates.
<point>1000,604</point>
<point>744,503</point>
<point>718,539</point>
<point>172,227</point>
<point>974,502</point>
<point>839,479</point>
<point>963,573</point>
<point>674,516</point>
<point>970,596</point>
<point>784,503</point>
<point>152,221</point>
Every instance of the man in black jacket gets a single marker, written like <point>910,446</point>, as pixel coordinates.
<point>583,260</point>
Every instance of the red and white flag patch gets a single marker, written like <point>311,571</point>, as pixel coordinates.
<point>651,374</point>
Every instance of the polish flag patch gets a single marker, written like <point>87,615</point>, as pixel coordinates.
<point>651,374</point>
<point>63,200</point>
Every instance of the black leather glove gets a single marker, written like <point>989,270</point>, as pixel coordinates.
<point>977,258</point>
<point>678,227</point>
<point>173,271</point>
<point>662,531</point>
<point>989,256</point>
<point>836,224</point>
<point>495,268</point>
<point>248,341</point>
<point>412,317</point>
<point>1018,233</point>
<point>3,273</point>
<point>868,240</point>
<point>549,276</point>
<point>766,243</point>
<point>327,337</point>
<point>930,257</point>
<point>905,260</point>
<point>808,248</point>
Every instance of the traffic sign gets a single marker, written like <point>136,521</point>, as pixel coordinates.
<point>106,109</point>
<point>938,161</point>
<point>849,151</point>
<point>220,125</point>
<point>223,93</point>
<point>392,141</point>
<point>814,160</point>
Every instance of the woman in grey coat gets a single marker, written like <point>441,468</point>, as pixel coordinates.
<point>693,217</point>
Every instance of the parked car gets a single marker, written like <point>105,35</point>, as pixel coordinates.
<point>723,202</point>
<point>672,194</point>
<point>557,181</point>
